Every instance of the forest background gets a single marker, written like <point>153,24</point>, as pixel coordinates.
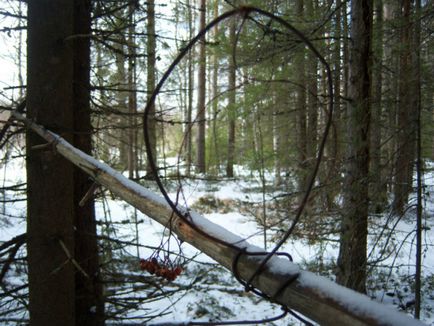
<point>246,108</point>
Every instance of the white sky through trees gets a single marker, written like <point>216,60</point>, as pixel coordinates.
<point>9,40</point>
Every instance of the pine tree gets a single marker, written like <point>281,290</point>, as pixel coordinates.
<point>352,260</point>
<point>59,231</point>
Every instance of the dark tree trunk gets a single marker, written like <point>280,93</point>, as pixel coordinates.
<point>352,259</point>
<point>377,190</point>
<point>88,299</point>
<point>418,106</point>
<point>390,88</point>
<point>50,178</point>
<point>406,112</point>
<point>333,149</point>
<point>59,230</point>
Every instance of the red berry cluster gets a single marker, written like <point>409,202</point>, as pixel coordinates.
<point>152,266</point>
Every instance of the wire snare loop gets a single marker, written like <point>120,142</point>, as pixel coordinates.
<point>244,11</point>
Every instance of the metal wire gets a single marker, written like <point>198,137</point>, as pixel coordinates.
<point>244,11</point>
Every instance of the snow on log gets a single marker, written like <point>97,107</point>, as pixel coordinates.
<point>313,296</point>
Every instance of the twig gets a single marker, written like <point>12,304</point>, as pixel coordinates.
<point>18,239</point>
<point>10,259</point>
<point>20,108</point>
<point>71,259</point>
<point>88,194</point>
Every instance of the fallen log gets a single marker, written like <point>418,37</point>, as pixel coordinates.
<point>314,296</point>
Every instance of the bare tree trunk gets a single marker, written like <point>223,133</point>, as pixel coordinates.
<point>345,59</point>
<point>231,104</point>
<point>277,140</point>
<point>301,107</point>
<point>122,98</point>
<point>390,89</point>
<point>50,227</point>
<point>352,258</point>
<point>60,232</point>
<point>20,52</point>
<point>312,98</point>
<point>190,82</point>
<point>406,127</point>
<point>132,95</point>
<point>215,93</point>
<point>418,105</point>
<point>377,184</point>
<point>151,62</point>
<point>89,302</point>
<point>201,117</point>
<point>333,150</point>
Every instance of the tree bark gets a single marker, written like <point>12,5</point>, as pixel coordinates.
<point>190,83</point>
<point>406,112</point>
<point>377,191</point>
<point>301,121</point>
<point>132,95</point>
<point>215,155</point>
<point>151,62</point>
<point>419,163</point>
<point>231,103</point>
<point>391,11</point>
<point>352,258</point>
<point>277,140</point>
<point>122,103</point>
<point>60,232</point>
<point>201,116</point>
<point>50,225</point>
<point>333,147</point>
<point>88,297</point>
<point>312,99</point>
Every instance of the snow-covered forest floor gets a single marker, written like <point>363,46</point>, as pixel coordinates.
<point>207,292</point>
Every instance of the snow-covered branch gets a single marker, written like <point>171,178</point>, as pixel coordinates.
<point>313,296</point>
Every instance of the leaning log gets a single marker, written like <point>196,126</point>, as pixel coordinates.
<point>315,297</point>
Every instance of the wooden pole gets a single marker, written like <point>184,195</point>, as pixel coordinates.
<point>314,296</point>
